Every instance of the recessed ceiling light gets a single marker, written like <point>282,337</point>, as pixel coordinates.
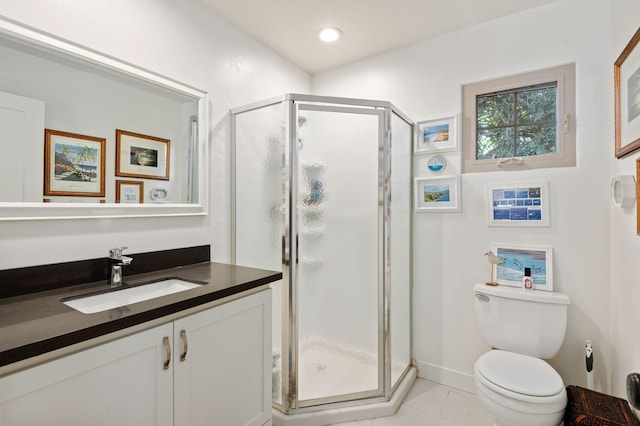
<point>329,35</point>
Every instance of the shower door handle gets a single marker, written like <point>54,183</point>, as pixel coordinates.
<point>286,253</point>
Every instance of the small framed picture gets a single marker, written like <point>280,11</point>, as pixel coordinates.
<point>524,204</point>
<point>142,156</point>
<point>626,82</point>
<point>437,194</point>
<point>515,258</point>
<point>159,195</point>
<point>436,163</point>
<point>129,191</point>
<point>73,164</point>
<point>437,135</point>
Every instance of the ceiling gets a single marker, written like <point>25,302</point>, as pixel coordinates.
<point>370,27</point>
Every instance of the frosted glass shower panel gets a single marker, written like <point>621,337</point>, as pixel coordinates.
<point>259,199</point>
<point>400,247</point>
<point>259,180</point>
<point>338,252</point>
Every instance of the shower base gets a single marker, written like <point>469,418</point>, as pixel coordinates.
<point>328,368</point>
<point>343,414</point>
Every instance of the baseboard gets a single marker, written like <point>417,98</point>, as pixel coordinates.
<point>446,376</point>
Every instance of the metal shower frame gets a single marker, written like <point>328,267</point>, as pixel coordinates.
<point>293,103</point>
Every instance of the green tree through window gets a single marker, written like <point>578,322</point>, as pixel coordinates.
<point>516,123</point>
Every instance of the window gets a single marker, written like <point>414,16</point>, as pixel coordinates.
<point>520,122</point>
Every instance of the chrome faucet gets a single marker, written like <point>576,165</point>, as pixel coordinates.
<point>116,262</point>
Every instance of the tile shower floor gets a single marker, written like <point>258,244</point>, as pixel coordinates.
<point>431,404</point>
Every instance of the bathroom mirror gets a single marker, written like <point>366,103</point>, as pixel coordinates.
<point>85,135</point>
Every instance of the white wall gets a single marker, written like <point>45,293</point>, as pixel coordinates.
<point>424,80</point>
<point>179,39</point>
<point>625,243</point>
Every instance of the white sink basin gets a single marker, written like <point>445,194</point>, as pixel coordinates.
<point>127,296</point>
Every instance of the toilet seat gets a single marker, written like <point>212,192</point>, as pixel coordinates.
<point>520,377</point>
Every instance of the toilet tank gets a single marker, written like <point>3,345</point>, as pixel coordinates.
<point>530,323</point>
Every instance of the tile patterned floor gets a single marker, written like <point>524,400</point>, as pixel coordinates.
<point>431,404</point>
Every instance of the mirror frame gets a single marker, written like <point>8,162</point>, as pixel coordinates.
<point>46,211</point>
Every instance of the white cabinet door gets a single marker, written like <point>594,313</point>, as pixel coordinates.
<point>225,378</point>
<point>119,383</point>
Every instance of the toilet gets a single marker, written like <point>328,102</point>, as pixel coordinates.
<point>512,380</point>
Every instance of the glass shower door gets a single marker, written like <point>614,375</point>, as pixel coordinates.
<point>339,277</point>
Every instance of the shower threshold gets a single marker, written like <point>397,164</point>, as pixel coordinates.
<point>343,414</point>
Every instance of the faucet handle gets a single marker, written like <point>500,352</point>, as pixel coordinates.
<point>116,253</point>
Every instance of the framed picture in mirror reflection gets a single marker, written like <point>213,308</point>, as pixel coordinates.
<point>74,164</point>
<point>129,191</point>
<point>142,156</point>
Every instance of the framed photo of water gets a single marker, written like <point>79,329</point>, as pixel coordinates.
<point>516,258</point>
<point>524,204</point>
<point>73,164</point>
<point>142,156</point>
<point>437,135</point>
<point>437,194</point>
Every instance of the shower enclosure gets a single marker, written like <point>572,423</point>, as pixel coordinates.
<point>321,189</point>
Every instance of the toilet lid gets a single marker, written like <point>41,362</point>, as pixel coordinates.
<point>519,373</point>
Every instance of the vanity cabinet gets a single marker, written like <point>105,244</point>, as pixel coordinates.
<point>117,383</point>
<point>225,378</point>
<point>219,373</point>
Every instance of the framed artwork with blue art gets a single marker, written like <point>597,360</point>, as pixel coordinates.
<point>74,164</point>
<point>437,135</point>
<point>515,258</point>
<point>524,204</point>
<point>437,195</point>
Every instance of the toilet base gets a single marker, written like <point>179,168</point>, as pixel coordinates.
<point>503,416</point>
<point>509,412</point>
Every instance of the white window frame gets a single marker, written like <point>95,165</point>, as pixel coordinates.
<point>565,77</point>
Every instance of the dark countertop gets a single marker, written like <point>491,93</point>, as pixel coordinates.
<point>38,323</point>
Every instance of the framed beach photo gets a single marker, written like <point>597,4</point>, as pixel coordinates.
<point>73,164</point>
<point>515,258</point>
<point>437,135</point>
<point>437,194</point>
<point>129,191</point>
<point>525,204</point>
<point>142,156</point>
<point>626,81</point>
